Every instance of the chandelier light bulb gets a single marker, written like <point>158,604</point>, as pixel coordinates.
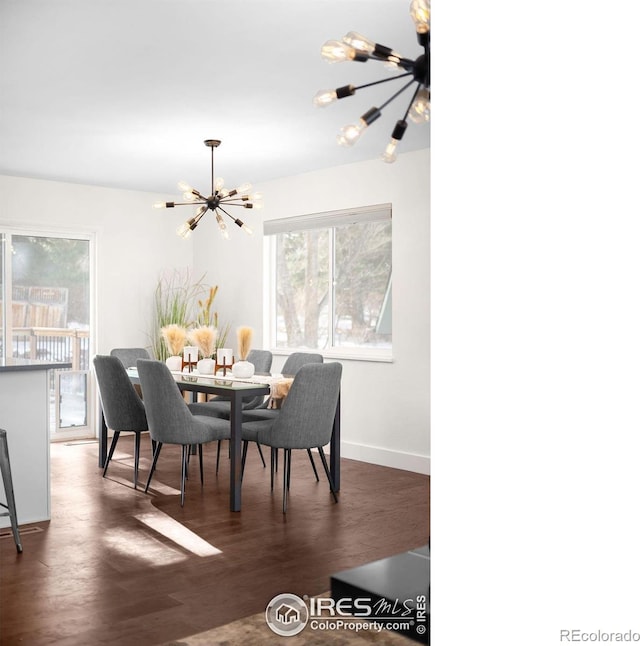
<point>184,187</point>
<point>244,188</point>
<point>420,111</point>
<point>224,232</point>
<point>392,64</point>
<point>256,200</point>
<point>333,51</point>
<point>219,183</point>
<point>243,226</point>
<point>360,42</point>
<point>350,134</point>
<point>188,196</point>
<point>389,154</point>
<point>160,205</point>
<point>324,98</point>
<point>420,12</point>
<point>184,230</point>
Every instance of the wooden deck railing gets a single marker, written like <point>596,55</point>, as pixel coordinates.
<point>53,344</point>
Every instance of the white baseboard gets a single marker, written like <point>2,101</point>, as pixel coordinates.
<point>387,458</point>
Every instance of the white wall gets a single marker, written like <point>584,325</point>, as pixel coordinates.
<point>134,242</point>
<point>385,406</point>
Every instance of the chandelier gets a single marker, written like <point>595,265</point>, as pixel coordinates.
<point>217,202</point>
<point>355,47</point>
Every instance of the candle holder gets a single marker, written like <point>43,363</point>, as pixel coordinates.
<point>224,360</point>
<point>189,357</point>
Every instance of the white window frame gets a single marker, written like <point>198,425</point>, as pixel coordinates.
<point>327,219</point>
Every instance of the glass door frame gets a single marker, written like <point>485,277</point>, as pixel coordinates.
<point>7,231</point>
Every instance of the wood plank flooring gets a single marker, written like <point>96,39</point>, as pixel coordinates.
<point>103,572</point>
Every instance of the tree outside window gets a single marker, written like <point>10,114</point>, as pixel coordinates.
<point>333,283</point>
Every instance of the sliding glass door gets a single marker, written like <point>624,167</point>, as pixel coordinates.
<point>46,314</point>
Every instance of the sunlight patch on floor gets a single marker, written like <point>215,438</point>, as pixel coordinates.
<point>135,544</point>
<point>177,532</point>
<point>162,489</point>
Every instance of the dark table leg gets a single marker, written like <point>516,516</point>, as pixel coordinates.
<point>334,457</point>
<point>235,444</point>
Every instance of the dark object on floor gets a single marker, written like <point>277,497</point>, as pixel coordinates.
<point>391,586</point>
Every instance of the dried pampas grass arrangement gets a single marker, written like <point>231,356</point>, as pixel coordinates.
<point>205,338</point>
<point>245,335</point>
<point>175,336</point>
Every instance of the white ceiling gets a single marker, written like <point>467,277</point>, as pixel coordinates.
<point>123,93</point>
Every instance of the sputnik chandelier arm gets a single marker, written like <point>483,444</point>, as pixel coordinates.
<point>218,197</point>
<point>355,47</point>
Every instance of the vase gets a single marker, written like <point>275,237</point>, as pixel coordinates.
<point>243,369</point>
<point>174,363</point>
<point>205,366</point>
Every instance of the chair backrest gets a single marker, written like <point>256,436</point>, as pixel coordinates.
<point>121,405</point>
<point>306,417</point>
<point>170,419</point>
<point>298,359</point>
<point>261,359</point>
<point>129,356</point>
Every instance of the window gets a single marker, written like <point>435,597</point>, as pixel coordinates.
<point>330,287</point>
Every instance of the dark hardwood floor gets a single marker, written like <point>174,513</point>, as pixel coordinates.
<point>103,572</point>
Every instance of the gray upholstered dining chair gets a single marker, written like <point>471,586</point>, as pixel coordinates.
<point>221,406</point>
<point>305,420</point>
<point>293,363</point>
<point>129,356</point>
<point>171,421</point>
<point>122,407</point>
<point>296,360</point>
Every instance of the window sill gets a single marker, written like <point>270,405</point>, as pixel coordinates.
<point>344,354</point>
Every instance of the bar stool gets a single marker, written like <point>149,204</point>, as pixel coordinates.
<point>5,469</point>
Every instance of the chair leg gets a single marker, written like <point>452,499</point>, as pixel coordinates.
<point>183,476</point>
<point>286,477</point>
<point>273,464</point>
<point>288,472</point>
<point>218,457</point>
<point>326,470</point>
<point>245,445</point>
<point>313,464</point>
<point>264,464</point>
<point>5,473</point>
<point>112,448</point>
<point>156,453</point>
<point>201,468</point>
<point>136,459</point>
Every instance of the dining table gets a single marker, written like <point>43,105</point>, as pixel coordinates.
<point>234,390</point>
